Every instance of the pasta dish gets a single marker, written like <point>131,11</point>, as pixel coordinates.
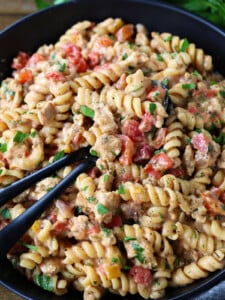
<point>151,213</point>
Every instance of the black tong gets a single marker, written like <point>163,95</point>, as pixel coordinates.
<point>11,233</point>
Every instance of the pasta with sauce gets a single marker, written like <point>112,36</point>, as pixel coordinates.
<point>151,213</point>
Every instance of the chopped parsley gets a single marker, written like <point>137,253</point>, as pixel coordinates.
<point>20,137</point>
<point>58,155</point>
<point>87,111</point>
<point>139,252</point>
<point>184,45</point>
<point>101,209</point>
<point>160,58</point>
<point>90,199</point>
<point>115,260</point>
<point>188,86</point>
<point>44,282</point>
<point>121,190</point>
<point>3,147</point>
<point>129,238</point>
<point>93,152</point>
<point>5,213</point>
<point>125,56</point>
<point>105,230</point>
<point>152,108</point>
<point>106,178</point>
<point>29,246</point>
<point>220,139</point>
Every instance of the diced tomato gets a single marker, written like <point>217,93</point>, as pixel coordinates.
<point>94,58</point>
<point>72,50</point>
<point>115,222</point>
<point>157,93</point>
<point>93,230</point>
<point>102,67</point>
<point>20,61</point>
<point>55,76</point>
<point>79,63</point>
<point>104,41</point>
<point>143,152</point>
<point>75,57</point>
<point>213,204</point>
<point>152,172</point>
<point>147,122</point>
<point>209,93</point>
<point>141,275</point>
<point>25,75</point>
<point>35,58</point>
<point>178,172</point>
<point>193,109</point>
<point>159,138</point>
<point>60,226</point>
<point>93,172</point>
<point>127,150</point>
<point>161,161</point>
<point>200,142</point>
<point>131,129</point>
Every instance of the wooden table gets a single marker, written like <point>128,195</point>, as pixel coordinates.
<point>10,11</point>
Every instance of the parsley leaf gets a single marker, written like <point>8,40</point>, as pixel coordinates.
<point>87,111</point>
<point>101,209</point>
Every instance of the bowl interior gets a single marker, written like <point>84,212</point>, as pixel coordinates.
<point>47,25</point>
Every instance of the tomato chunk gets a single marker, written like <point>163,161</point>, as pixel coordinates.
<point>131,129</point>
<point>20,61</point>
<point>159,138</point>
<point>115,222</point>
<point>161,161</point>
<point>143,152</point>
<point>24,76</point>
<point>147,122</point>
<point>200,142</point>
<point>141,275</point>
<point>55,76</point>
<point>213,203</point>
<point>152,172</point>
<point>127,150</point>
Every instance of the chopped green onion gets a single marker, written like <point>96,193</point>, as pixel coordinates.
<point>3,147</point>
<point>152,108</point>
<point>106,178</point>
<point>20,137</point>
<point>58,155</point>
<point>125,56</point>
<point>188,86</point>
<point>184,45</point>
<point>90,199</point>
<point>44,282</point>
<point>87,111</point>
<point>159,57</point>
<point>129,238</point>
<point>106,231</point>
<point>101,209</point>
<point>5,213</point>
<point>121,190</point>
<point>93,152</point>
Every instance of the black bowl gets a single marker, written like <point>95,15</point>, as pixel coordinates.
<point>46,26</point>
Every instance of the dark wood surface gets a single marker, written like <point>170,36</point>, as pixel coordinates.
<point>10,11</point>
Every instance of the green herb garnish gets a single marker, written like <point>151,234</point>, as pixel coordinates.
<point>101,209</point>
<point>87,111</point>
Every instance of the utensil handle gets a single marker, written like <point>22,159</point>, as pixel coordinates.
<point>11,233</point>
<point>21,185</point>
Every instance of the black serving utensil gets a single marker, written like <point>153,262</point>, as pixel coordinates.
<point>21,185</point>
<point>11,233</point>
